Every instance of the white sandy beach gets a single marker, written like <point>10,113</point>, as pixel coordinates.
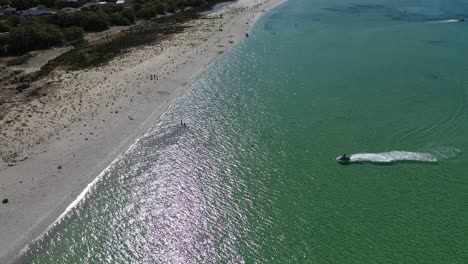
<point>65,139</point>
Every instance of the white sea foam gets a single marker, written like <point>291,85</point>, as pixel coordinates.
<point>443,153</point>
<point>393,156</point>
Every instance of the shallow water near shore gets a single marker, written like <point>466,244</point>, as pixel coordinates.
<point>253,176</point>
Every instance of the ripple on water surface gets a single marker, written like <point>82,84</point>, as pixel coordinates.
<point>253,179</point>
<point>178,195</point>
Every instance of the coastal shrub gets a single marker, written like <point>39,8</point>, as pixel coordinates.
<point>73,33</point>
<point>45,36</point>
<point>137,4</point>
<point>129,14</point>
<point>147,11</point>
<point>5,26</point>
<point>15,20</point>
<point>82,2</point>
<point>41,7</point>
<point>180,4</point>
<point>64,3</point>
<point>91,55</point>
<point>119,20</point>
<point>111,8</point>
<point>160,8</point>
<point>24,4</point>
<point>5,2</point>
<point>34,36</point>
<point>64,20</point>
<point>195,3</point>
<point>95,21</point>
<point>171,7</point>
<point>3,46</point>
<point>46,3</point>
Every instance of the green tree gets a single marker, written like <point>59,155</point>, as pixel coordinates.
<point>171,7</point>
<point>147,11</point>
<point>137,4</point>
<point>24,4</point>
<point>180,4</point>
<point>63,19</point>
<point>3,45</point>
<point>160,8</point>
<point>5,26</point>
<point>15,20</point>
<point>82,2</point>
<point>195,3</point>
<point>111,8</point>
<point>129,14</point>
<point>73,33</point>
<point>94,21</point>
<point>48,3</point>
<point>64,3</point>
<point>119,20</point>
<point>34,36</point>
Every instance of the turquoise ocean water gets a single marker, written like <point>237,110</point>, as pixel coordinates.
<point>253,178</point>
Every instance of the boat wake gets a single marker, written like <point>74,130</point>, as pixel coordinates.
<point>393,157</point>
<point>445,21</point>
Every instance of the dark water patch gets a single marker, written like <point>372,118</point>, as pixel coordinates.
<point>268,27</point>
<point>278,16</point>
<point>304,18</point>
<point>348,10</point>
<point>433,42</point>
<point>369,7</point>
<point>434,76</point>
<point>418,17</point>
<point>393,13</point>
<point>342,117</point>
<point>461,15</point>
<point>287,22</point>
<point>409,17</point>
<point>393,17</point>
<point>355,9</point>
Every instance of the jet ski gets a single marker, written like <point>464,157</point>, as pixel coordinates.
<point>461,20</point>
<point>343,159</point>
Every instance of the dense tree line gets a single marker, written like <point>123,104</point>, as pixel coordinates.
<point>26,34</point>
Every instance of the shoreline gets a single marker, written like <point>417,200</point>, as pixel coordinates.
<point>53,175</point>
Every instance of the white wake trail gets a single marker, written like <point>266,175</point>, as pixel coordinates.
<point>444,21</point>
<point>393,156</point>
